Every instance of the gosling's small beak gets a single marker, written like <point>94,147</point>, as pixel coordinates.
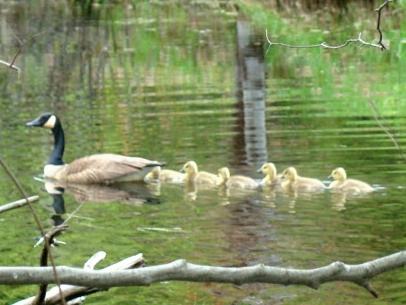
<point>182,170</point>
<point>34,123</point>
<point>330,177</point>
<point>259,170</point>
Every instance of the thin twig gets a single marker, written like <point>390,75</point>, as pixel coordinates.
<point>22,44</point>
<point>37,221</point>
<point>73,213</point>
<point>378,119</point>
<point>325,45</point>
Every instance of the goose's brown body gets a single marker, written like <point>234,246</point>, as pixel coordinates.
<point>104,168</point>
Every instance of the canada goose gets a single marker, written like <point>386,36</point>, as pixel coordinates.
<point>342,183</point>
<point>94,169</point>
<point>291,181</point>
<point>238,182</point>
<point>192,175</point>
<point>271,178</point>
<point>164,175</point>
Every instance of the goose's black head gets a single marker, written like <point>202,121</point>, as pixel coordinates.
<point>45,120</point>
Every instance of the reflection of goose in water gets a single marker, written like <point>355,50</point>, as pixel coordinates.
<point>136,193</point>
<point>94,169</point>
<point>58,202</point>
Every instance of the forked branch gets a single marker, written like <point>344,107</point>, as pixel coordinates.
<point>358,40</point>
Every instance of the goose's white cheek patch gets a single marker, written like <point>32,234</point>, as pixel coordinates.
<point>51,122</point>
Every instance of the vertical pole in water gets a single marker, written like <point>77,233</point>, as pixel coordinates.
<point>251,95</point>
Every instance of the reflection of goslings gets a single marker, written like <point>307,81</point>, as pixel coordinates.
<point>338,200</point>
<point>269,196</point>
<point>190,191</point>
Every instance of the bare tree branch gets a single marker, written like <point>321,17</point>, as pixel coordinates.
<point>17,204</point>
<point>378,23</point>
<point>181,270</point>
<point>22,44</point>
<point>357,40</point>
<point>71,292</point>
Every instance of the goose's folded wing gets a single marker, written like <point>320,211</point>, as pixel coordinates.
<point>106,168</point>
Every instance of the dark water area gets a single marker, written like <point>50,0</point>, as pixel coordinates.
<point>186,82</point>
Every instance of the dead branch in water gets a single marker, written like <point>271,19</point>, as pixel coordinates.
<point>181,270</point>
<point>72,293</point>
<point>17,204</point>
<point>358,40</point>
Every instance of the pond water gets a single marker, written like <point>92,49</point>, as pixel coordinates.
<point>186,82</point>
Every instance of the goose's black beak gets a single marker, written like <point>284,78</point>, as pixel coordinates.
<point>35,123</point>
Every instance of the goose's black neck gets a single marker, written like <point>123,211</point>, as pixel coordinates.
<point>59,145</point>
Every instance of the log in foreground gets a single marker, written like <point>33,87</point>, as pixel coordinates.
<point>17,204</point>
<point>75,294</point>
<point>181,270</point>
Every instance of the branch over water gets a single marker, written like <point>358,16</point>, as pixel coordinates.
<point>181,270</point>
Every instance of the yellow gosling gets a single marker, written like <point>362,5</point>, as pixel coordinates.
<point>236,182</point>
<point>292,181</point>
<point>271,178</point>
<point>164,175</point>
<point>342,183</point>
<point>193,175</point>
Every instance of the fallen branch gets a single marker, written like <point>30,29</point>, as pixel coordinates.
<point>181,270</point>
<point>17,204</point>
<point>11,65</point>
<point>358,40</point>
<point>71,293</point>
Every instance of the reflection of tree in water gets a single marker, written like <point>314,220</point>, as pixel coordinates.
<point>250,142</point>
<point>248,226</point>
<point>249,231</point>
